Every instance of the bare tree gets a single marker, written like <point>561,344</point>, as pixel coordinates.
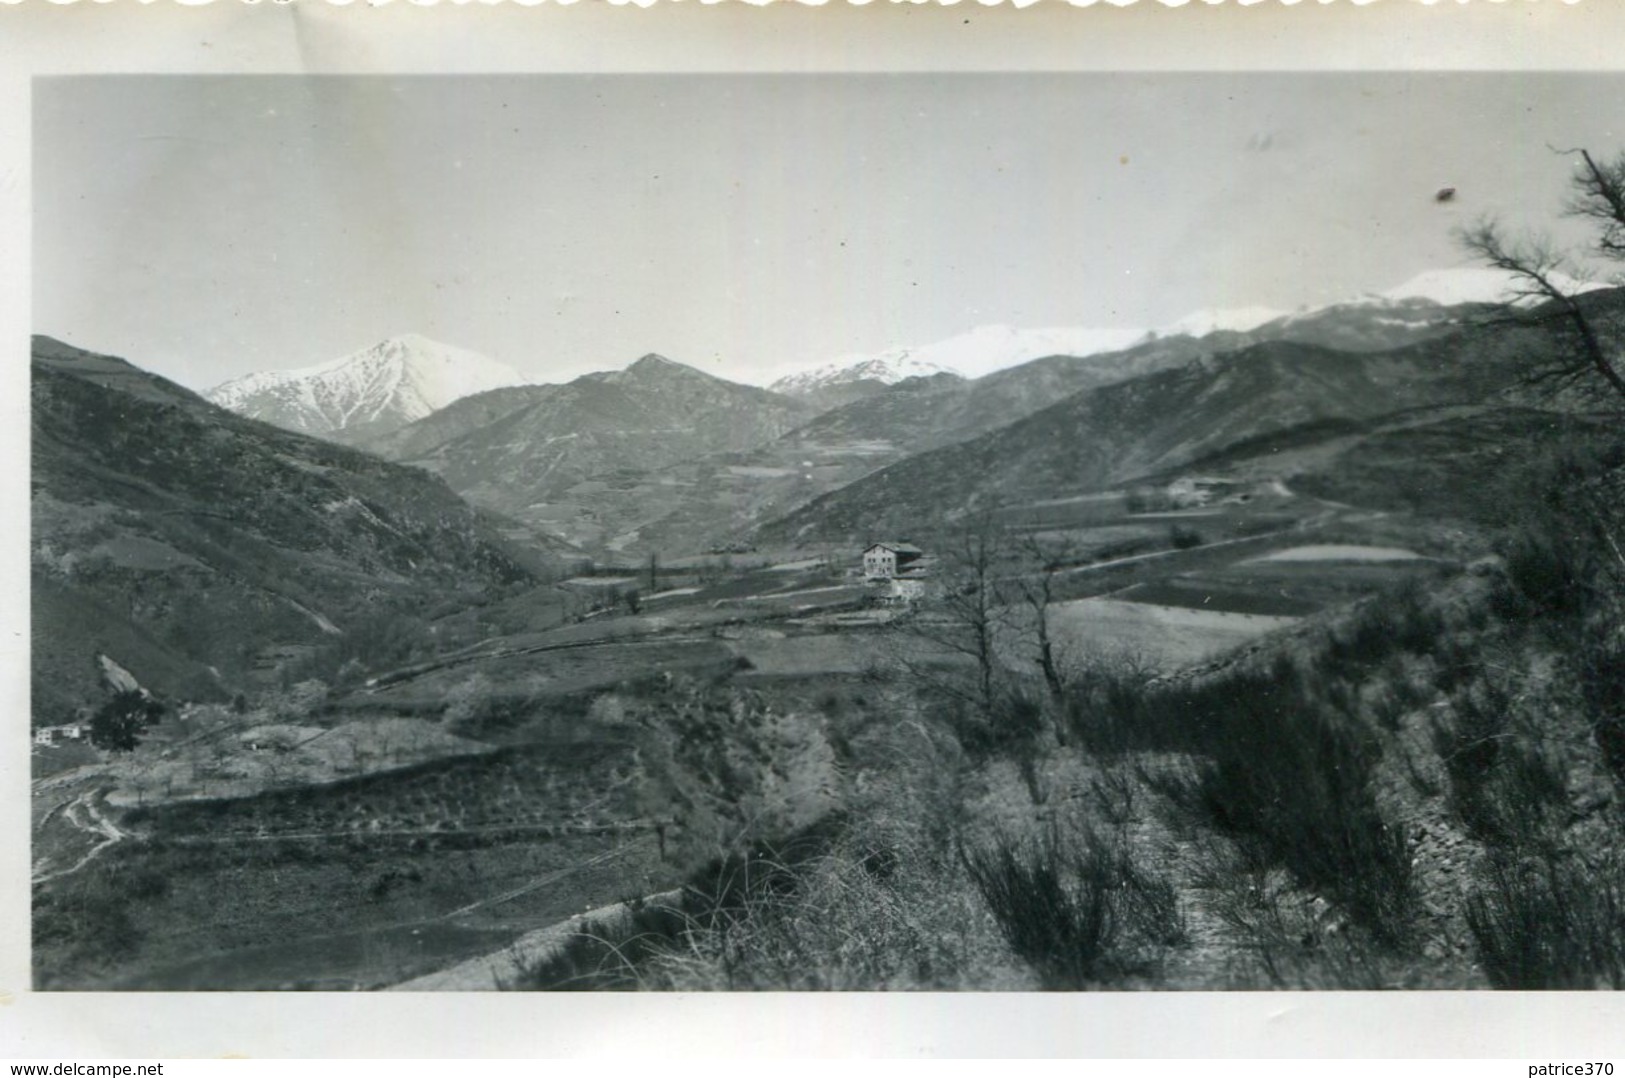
<point>1038,591</point>
<point>1538,268</point>
<point>966,618</point>
<point>988,609</point>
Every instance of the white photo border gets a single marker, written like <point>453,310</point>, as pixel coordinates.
<point>37,38</point>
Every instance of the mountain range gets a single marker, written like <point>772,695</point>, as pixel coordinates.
<point>367,395</point>
<point>718,499</point>
<point>1237,404</point>
<point>987,349</point>
<point>662,457</point>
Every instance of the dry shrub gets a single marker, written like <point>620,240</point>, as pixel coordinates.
<point>1286,938</point>
<point>1551,922</point>
<point>1081,914</point>
<point>1502,785</point>
<point>836,909</point>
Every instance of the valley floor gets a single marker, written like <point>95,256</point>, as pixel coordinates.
<point>426,817</point>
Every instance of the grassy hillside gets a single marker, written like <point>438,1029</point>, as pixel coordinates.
<point>1443,462</point>
<point>176,536</point>
<point>347,885</point>
<point>419,438</point>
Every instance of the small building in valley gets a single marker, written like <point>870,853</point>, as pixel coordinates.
<point>51,735</point>
<point>887,561</point>
<point>899,572</point>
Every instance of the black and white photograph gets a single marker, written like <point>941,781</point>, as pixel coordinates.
<point>932,531</point>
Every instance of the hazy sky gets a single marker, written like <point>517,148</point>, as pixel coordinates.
<point>204,227</point>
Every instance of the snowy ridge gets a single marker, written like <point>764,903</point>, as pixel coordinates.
<point>992,348</point>
<point>1470,284</point>
<point>888,368</point>
<point>983,350</point>
<point>388,385</point>
<point>986,349</point>
<point>1227,320</point>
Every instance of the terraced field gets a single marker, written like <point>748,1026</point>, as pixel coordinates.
<point>353,884</point>
<point>1164,637</point>
<point>535,787</point>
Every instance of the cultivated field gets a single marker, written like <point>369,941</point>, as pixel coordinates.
<point>1163,637</point>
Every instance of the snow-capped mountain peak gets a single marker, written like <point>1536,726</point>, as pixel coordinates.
<point>370,392</point>
<point>980,351</point>
<point>888,368</point>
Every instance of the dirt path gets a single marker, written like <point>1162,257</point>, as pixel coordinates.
<point>1331,513</point>
<point>494,972</point>
<point>546,829</point>
<point>399,677</point>
<point>68,778</point>
<point>536,884</point>
<point>82,814</point>
<point>1189,554</point>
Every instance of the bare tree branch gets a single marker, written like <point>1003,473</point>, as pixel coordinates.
<point>1534,266</point>
<point>1599,195</point>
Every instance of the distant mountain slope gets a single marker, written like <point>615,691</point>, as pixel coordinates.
<point>1368,325</point>
<point>176,536</point>
<point>1149,424</point>
<point>863,436</point>
<point>367,394</point>
<point>945,410</point>
<point>716,500</point>
<point>418,439</point>
<point>527,452</point>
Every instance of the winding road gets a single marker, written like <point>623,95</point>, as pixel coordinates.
<point>83,814</point>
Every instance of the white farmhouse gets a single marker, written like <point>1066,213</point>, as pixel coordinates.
<point>50,735</point>
<point>887,561</point>
<point>898,570</point>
